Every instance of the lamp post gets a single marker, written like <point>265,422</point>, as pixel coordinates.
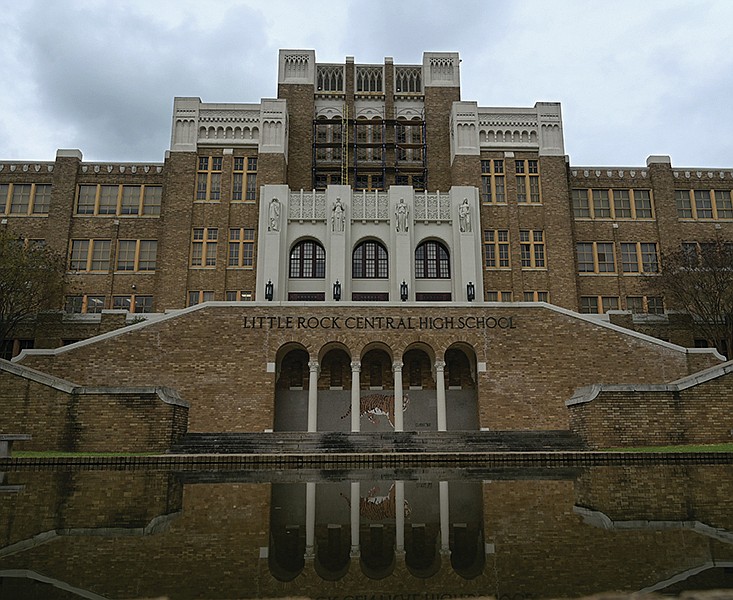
<point>403,291</point>
<point>470,291</point>
<point>337,291</point>
<point>269,290</point>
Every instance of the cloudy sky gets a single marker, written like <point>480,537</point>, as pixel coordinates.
<point>634,77</point>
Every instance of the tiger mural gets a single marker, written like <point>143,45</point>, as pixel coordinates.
<point>378,508</point>
<point>375,405</point>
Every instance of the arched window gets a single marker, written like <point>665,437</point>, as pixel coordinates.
<point>432,261</point>
<point>369,261</point>
<point>308,260</point>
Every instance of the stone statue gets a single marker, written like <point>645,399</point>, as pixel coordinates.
<point>464,216</point>
<point>274,224</point>
<point>401,213</point>
<point>338,217</point>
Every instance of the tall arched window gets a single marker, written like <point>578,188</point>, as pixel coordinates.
<point>432,261</point>
<point>308,260</point>
<point>369,261</point>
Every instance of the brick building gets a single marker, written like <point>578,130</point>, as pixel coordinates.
<point>360,187</point>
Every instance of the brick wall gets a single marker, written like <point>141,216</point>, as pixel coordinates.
<point>221,368</point>
<point>64,417</point>
<point>695,410</point>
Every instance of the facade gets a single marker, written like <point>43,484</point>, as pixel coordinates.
<point>371,195</point>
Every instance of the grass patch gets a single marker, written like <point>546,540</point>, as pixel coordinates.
<point>690,448</point>
<point>56,454</point>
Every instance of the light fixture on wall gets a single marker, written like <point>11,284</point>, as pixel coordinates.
<point>269,290</point>
<point>337,291</point>
<point>403,291</point>
<point>470,291</point>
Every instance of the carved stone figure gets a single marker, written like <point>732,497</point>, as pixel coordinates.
<point>338,217</point>
<point>402,213</point>
<point>274,224</point>
<point>464,216</point>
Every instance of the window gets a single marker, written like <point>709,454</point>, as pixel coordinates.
<point>197,296</point>
<point>432,261</point>
<point>645,304</point>
<point>239,296</point>
<point>639,257</point>
<point>369,182</point>
<point>492,181</point>
<point>12,347</point>
<point>208,178</point>
<point>409,140</point>
<point>89,255</point>
<point>612,204</point>
<point>368,79</point>
<point>595,257</point>
<point>593,305</point>
<point>528,181</point>
<point>368,137</point>
<point>203,246</point>
<point>369,261</point>
<point>84,303</point>
<point>136,255</point>
<point>241,247</point>
<point>330,78</point>
<point>24,199</point>
<point>308,260</point>
<point>707,204</point>
<point>408,80</point>
<point>532,247</point>
<point>496,248</point>
<point>498,296</point>
<point>536,296</point>
<point>134,303</point>
<point>244,179</point>
<point>328,137</point>
<point>117,200</point>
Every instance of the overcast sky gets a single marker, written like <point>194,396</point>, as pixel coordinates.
<point>634,77</point>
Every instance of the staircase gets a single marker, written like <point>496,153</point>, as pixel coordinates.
<point>378,443</point>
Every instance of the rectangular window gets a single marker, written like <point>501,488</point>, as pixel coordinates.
<point>496,248</point>
<point>20,201</point>
<point>239,296</point>
<point>601,204</point>
<point>87,200</point>
<point>684,206</point>
<point>703,204</point>
<point>581,206</point>
<point>723,204</point>
<point>622,204</point>
<point>208,178</point>
<point>84,304</point>
<point>595,257</point>
<point>643,204</point>
<point>89,255</point>
<point>492,181</point>
<point>528,181</point>
<point>152,196</point>
<point>203,246</point>
<point>41,199</point>
<point>108,200</point>
<point>199,296</point>
<point>136,255</point>
<point>536,296</point>
<point>130,204</point>
<point>645,304</point>
<point>532,248</point>
<point>241,247</point>
<point>593,305</point>
<point>244,181</point>
<point>251,193</point>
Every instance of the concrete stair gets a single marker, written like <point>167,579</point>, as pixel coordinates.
<point>408,441</point>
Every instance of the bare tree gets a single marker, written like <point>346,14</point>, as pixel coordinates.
<point>32,278</point>
<point>698,278</point>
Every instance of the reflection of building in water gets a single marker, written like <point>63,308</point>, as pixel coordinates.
<point>377,527</point>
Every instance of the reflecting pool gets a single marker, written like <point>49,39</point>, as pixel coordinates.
<point>413,534</point>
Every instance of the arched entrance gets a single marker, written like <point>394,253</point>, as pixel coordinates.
<point>418,383</point>
<point>461,388</point>
<point>291,389</point>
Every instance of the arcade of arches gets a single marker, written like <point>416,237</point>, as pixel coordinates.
<point>339,390</point>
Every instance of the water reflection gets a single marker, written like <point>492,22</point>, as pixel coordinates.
<point>363,535</point>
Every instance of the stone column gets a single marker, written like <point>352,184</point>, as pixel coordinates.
<point>440,384</point>
<point>355,396</point>
<point>355,497</point>
<point>398,416</point>
<point>399,509</point>
<point>444,519</point>
<point>313,396</point>
<point>310,519</point>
